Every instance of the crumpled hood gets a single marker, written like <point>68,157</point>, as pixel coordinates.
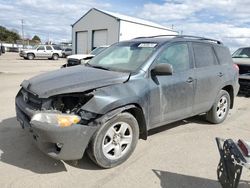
<point>72,80</point>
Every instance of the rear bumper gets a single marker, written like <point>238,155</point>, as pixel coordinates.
<point>68,143</point>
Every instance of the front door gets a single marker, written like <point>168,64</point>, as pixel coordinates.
<point>172,96</point>
<point>40,51</point>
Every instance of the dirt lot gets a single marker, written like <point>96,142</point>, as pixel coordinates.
<point>182,154</point>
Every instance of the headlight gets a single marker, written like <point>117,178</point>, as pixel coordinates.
<point>60,120</point>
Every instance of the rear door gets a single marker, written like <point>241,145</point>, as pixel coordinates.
<point>49,51</point>
<point>171,97</point>
<point>209,76</point>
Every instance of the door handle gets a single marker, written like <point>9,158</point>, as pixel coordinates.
<point>220,74</point>
<point>190,80</point>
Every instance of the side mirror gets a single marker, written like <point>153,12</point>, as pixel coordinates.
<point>162,69</point>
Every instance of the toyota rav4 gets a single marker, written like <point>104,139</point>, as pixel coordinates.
<point>106,105</point>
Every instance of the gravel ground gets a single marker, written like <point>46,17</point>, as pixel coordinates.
<point>182,154</point>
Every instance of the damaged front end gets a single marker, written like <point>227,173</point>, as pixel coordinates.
<point>58,125</point>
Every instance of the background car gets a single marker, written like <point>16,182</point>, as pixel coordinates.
<point>242,58</point>
<point>42,51</point>
<point>78,59</point>
<point>66,52</point>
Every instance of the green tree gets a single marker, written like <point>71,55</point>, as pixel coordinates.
<point>8,36</point>
<point>36,39</point>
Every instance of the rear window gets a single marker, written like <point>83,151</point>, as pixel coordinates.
<point>223,55</point>
<point>204,55</point>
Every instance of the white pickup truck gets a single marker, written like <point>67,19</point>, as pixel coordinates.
<point>41,51</point>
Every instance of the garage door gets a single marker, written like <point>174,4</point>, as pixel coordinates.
<point>100,37</point>
<point>82,42</point>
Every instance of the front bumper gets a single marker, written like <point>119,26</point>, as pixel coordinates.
<point>72,141</point>
<point>21,54</point>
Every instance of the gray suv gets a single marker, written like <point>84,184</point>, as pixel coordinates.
<point>106,105</point>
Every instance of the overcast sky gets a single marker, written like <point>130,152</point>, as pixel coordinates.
<point>227,20</point>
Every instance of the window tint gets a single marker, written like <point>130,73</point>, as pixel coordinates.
<point>41,48</point>
<point>204,55</point>
<point>223,55</point>
<point>57,47</point>
<point>48,48</point>
<point>177,55</point>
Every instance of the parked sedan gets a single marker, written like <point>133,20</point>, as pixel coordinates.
<point>78,59</point>
<point>66,52</point>
<point>242,58</point>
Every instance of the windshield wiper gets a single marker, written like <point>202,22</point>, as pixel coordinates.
<point>97,66</point>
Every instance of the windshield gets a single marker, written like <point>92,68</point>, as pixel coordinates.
<point>97,50</point>
<point>242,53</point>
<point>124,56</point>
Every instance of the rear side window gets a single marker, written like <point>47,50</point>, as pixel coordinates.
<point>48,48</point>
<point>204,55</point>
<point>223,55</point>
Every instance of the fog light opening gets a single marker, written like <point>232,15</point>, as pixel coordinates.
<point>59,146</point>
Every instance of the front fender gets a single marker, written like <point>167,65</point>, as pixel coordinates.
<point>115,96</point>
<point>102,102</point>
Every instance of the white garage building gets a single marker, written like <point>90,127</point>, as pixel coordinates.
<point>98,27</point>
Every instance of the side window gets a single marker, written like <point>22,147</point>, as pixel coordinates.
<point>48,48</point>
<point>223,55</point>
<point>204,55</point>
<point>177,55</point>
<point>40,48</point>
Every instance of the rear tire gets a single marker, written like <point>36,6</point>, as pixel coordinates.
<point>218,113</point>
<point>30,56</point>
<point>55,57</point>
<point>115,141</point>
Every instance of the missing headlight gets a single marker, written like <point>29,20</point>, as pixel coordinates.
<point>70,103</point>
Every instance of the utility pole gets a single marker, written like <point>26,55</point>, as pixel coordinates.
<point>22,33</point>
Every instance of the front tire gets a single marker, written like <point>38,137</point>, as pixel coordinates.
<point>115,141</point>
<point>218,113</point>
<point>30,56</point>
<point>55,57</point>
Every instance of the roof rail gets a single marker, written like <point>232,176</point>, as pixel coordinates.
<point>184,36</point>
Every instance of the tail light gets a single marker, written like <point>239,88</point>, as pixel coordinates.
<point>244,147</point>
<point>236,67</point>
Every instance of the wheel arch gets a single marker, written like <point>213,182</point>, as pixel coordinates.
<point>136,111</point>
<point>31,53</point>
<point>230,90</point>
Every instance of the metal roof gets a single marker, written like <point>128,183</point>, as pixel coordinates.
<point>128,18</point>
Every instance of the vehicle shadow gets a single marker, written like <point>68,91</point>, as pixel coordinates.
<point>38,59</point>
<point>244,95</point>
<point>17,149</point>
<point>199,119</point>
<point>170,179</point>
